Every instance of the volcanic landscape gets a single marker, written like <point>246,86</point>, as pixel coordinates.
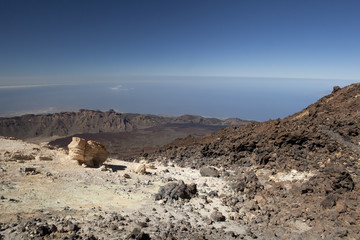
<point>186,177</point>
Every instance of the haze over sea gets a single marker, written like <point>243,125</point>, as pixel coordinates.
<point>247,98</point>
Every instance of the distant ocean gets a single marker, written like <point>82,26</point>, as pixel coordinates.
<point>252,99</point>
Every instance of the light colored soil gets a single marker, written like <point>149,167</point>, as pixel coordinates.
<point>63,184</point>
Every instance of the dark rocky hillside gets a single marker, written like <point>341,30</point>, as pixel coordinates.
<point>88,121</point>
<point>293,178</point>
<point>326,131</point>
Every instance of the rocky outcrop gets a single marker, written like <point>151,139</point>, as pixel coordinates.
<point>90,153</point>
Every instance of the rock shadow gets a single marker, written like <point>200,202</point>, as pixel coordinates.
<point>115,168</point>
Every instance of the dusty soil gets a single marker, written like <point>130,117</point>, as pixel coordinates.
<point>57,191</point>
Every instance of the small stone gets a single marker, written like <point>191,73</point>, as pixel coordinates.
<point>260,200</point>
<point>45,158</point>
<point>335,89</point>
<point>340,207</point>
<point>138,168</point>
<point>217,216</point>
<point>176,190</point>
<point>43,230</point>
<point>329,201</point>
<point>29,169</point>
<point>73,227</point>
<point>209,172</point>
<point>136,233</point>
<point>142,224</point>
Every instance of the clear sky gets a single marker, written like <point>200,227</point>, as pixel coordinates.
<point>61,40</point>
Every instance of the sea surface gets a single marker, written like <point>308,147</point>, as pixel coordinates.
<point>252,99</point>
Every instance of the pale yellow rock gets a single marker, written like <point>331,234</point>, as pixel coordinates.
<point>147,165</point>
<point>138,168</point>
<point>90,153</point>
<point>77,149</point>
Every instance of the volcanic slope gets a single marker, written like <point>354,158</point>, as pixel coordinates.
<point>326,131</point>
<point>294,178</point>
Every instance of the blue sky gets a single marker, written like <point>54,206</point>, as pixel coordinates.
<point>85,40</point>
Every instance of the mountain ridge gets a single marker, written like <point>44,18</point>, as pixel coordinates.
<point>89,121</point>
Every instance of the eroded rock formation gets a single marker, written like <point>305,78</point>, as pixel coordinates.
<point>90,153</point>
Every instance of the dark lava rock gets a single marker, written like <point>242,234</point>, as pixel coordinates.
<point>138,235</point>
<point>217,216</point>
<point>43,230</point>
<point>329,201</point>
<point>71,227</point>
<point>247,182</point>
<point>332,179</point>
<point>335,89</point>
<point>209,172</point>
<point>176,190</point>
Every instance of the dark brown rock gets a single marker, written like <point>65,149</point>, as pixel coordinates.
<point>329,201</point>
<point>217,216</point>
<point>332,179</point>
<point>137,234</point>
<point>176,190</point>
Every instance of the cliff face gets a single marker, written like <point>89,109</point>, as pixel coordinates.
<point>88,121</point>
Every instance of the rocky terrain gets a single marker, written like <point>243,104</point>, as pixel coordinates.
<point>291,178</point>
<point>327,131</point>
<point>45,195</point>
<point>320,144</point>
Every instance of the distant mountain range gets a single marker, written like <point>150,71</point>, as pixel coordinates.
<point>124,134</point>
<point>89,121</point>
